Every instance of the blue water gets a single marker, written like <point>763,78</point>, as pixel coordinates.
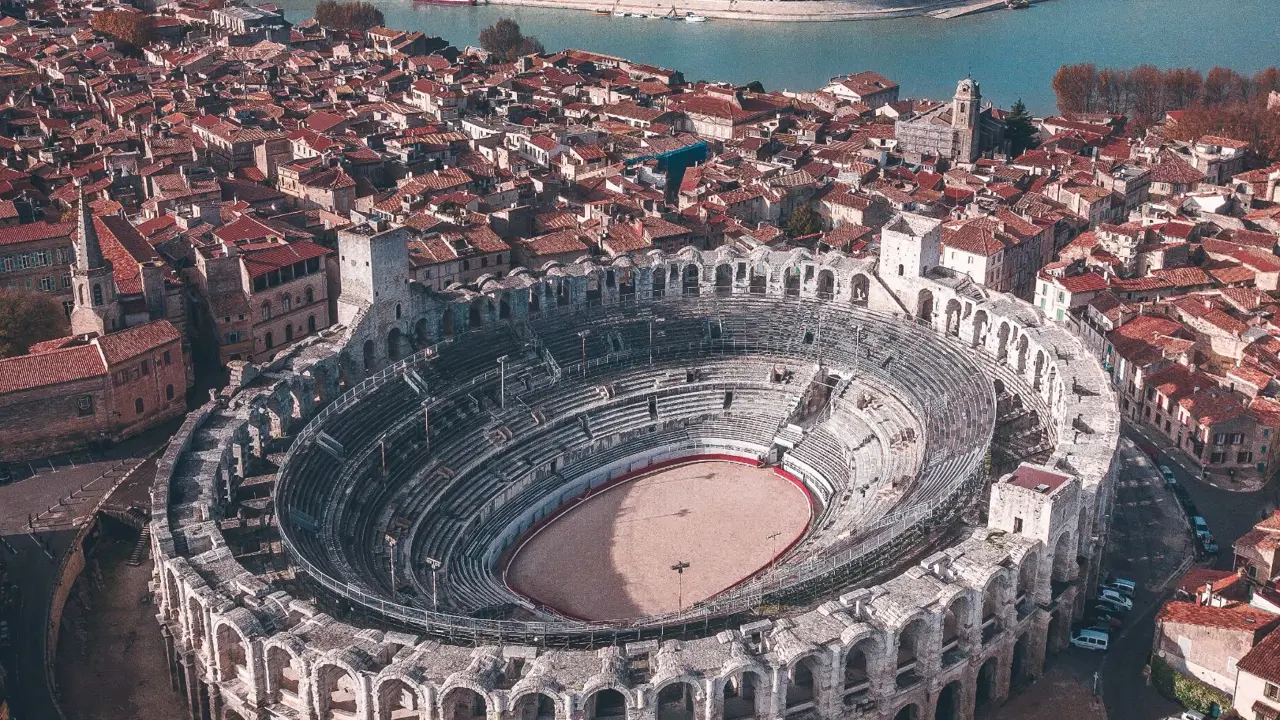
<point>1013,54</point>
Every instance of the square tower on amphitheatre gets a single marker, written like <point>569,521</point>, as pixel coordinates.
<point>375,271</point>
<point>910,245</point>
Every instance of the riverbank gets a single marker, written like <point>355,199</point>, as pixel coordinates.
<point>756,10</point>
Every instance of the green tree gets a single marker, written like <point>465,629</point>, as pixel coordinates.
<point>1019,131</point>
<point>504,41</point>
<point>803,221</point>
<point>358,15</point>
<point>27,318</point>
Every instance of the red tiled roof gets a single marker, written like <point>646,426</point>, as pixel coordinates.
<point>30,232</point>
<point>261,262</point>
<point>132,342</point>
<point>1234,616</point>
<point>1264,659</point>
<point>51,368</point>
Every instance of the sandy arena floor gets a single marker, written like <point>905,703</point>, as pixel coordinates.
<point>611,556</point>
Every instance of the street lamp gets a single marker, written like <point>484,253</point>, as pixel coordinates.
<point>680,567</point>
<point>435,565</point>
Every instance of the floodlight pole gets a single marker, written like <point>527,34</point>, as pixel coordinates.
<point>680,567</point>
<point>391,553</point>
<point>502,382</point>
<point>435,593</point>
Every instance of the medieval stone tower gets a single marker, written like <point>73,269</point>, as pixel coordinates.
<point>965,107</point>
<point>96,308</point>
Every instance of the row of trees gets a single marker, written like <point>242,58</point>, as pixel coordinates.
<point>1145,93</point>
<point>358,15</point>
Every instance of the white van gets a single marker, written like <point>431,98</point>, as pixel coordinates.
<point>1091,640</point>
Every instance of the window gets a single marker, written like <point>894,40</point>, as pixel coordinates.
<point>46,283</point>
<point>311,323</point>
<point>265,313</point>
<point>97,295</point>
<point>484,262</point>
<point>1217,458</point>
<point>1271,691</point>
<point>310,295</point>
<point>1220,439</point>
<point>1237,438</point>
<point>146,368</point>
<point>270,342</point>
<point>466,265</point>
<point>231,338</point>
<point>1017,524</point>
<point>138,406</point>
<point>168,392</point>
<point>167,360</point>
<point>287,303</point>
<point>84,405</point>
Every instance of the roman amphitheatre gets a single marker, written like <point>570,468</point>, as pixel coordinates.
<point>888,492</point>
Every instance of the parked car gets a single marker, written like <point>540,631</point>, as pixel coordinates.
<point>1109,607</point>
<point>1125,590</point>
<point>1186,715</point>
<point>1208,546</point>
<point>1123,582</point>
<point>1112,596</point>
<point>1167,473</point>
<point>1200,527</point>
<point>1091,640</point>
<point>1108,621</point>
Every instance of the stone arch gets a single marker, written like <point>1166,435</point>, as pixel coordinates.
<point>659,282</point>
<point>195,619</point>
<point>1022,354</point>
<point>692,278</point>
<point>791,281</point>
<point>504,307</point>
<point>463,703</point>
<point>1064,557</point>
<point>337,692</point>
<point>724,279</point>
<point>173,608</point>
<point>1038,373</point>
<point>759,283</point>
<point>826,284</point>
<point>980,323</point>
<point>232,652</point>
<point>910,711</point>
<point>861,290</point>
<point>953,317</point>
<point>447,329</point>
<point>606,703</point>
<point>804,684</point>
<point>370,356</point>
<point>994,599</point>
<point>420,333</point>
<point>743,694</point>
<point>677,700</point>
<point>398,700</point>
<point>909,642</point>
<point>533,706</point>
<point>475,314</point>
<point>394,339</point>
<point>1002,335</point>
<point>562,293</point>
<point>988,687</point>
<point>535,298</point>
<point>283,676</point>
<point>1020,664</point>
<point>949,703</point>
<point>1028,572</point>
<point>957,621</point>
<point>924,305</point>
<point>861,662</point>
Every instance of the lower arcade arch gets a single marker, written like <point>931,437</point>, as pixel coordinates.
<point>606,704</point>
<point>745,696</point>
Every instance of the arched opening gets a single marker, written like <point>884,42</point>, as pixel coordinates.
<point>993,603</point>
<point>139,406</point>
<point>909,639</point>
<point>420,333</point>
<point>857,671</point>
<point>1064,559</point>
<point>534,706</point>
<point>802,688</point>
<point>948,705</point>
<point>369,357</point>
<point>309,294</point>
<point>1018,667</point>
<point>447,321</point>
<point>562,293</point>
<point>1022,354</point>
<point>535,299</point>
<point>659,282</point>
<point>283,678</point>
<point>233,659</point>
<point>463,704</point>
<point>691,279</point>
<point>97,295</point>
<point>398,701</point>
<point>174,604</point>
<point>791,282</point>
<point>504,308</point>
<point>861,290</point>
<point>1002,352</point>
<point>607,703</point>
<point>269,341</point>
<point>908,712</point>
<point>195,616</point>
<point>399,311</point>
<point>956,625</point>
<point>676,702</point>
<point>337,692</point>
<point>998,385</point>
<point>826,284</point>
<point>288,333</point>
<point>759,281</point>
<point>594,293</point>
<point>475,314</point>
<point>953,317</point>
<point>724,279</point>
<point>393,344</point>
<point>986,689</point>
<point>979,330</point>
<point>1039,370</point>
<point>740,693</point>
<point>1027,573</point>
<point>924,306</point>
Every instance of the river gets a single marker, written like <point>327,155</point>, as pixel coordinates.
<point>1013,54</point>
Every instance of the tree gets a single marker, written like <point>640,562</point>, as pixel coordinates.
<point>129,27</point>
<point>504,41</point>
<point>27,318</point>
<point>1018,129</point>
<point>358,15</point>
<point>804,221</point>
<point>1076,87</point>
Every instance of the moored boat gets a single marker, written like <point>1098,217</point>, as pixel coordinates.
<point>695,18</point>
<point>447,2</point>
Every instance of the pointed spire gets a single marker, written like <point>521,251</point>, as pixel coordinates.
<point>88,251</point>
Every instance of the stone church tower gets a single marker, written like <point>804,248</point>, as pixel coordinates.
<point>965,119</point>
<point>97,310</point>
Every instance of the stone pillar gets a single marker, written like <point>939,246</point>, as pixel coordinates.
<point>191,683</point>
<point>215,701</point>
<point>1037,636</point>
<point>776,706</point>
<point>170,657</point>
<point>1004,673</point>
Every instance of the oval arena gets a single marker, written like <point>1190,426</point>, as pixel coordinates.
<point>335,538</point>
